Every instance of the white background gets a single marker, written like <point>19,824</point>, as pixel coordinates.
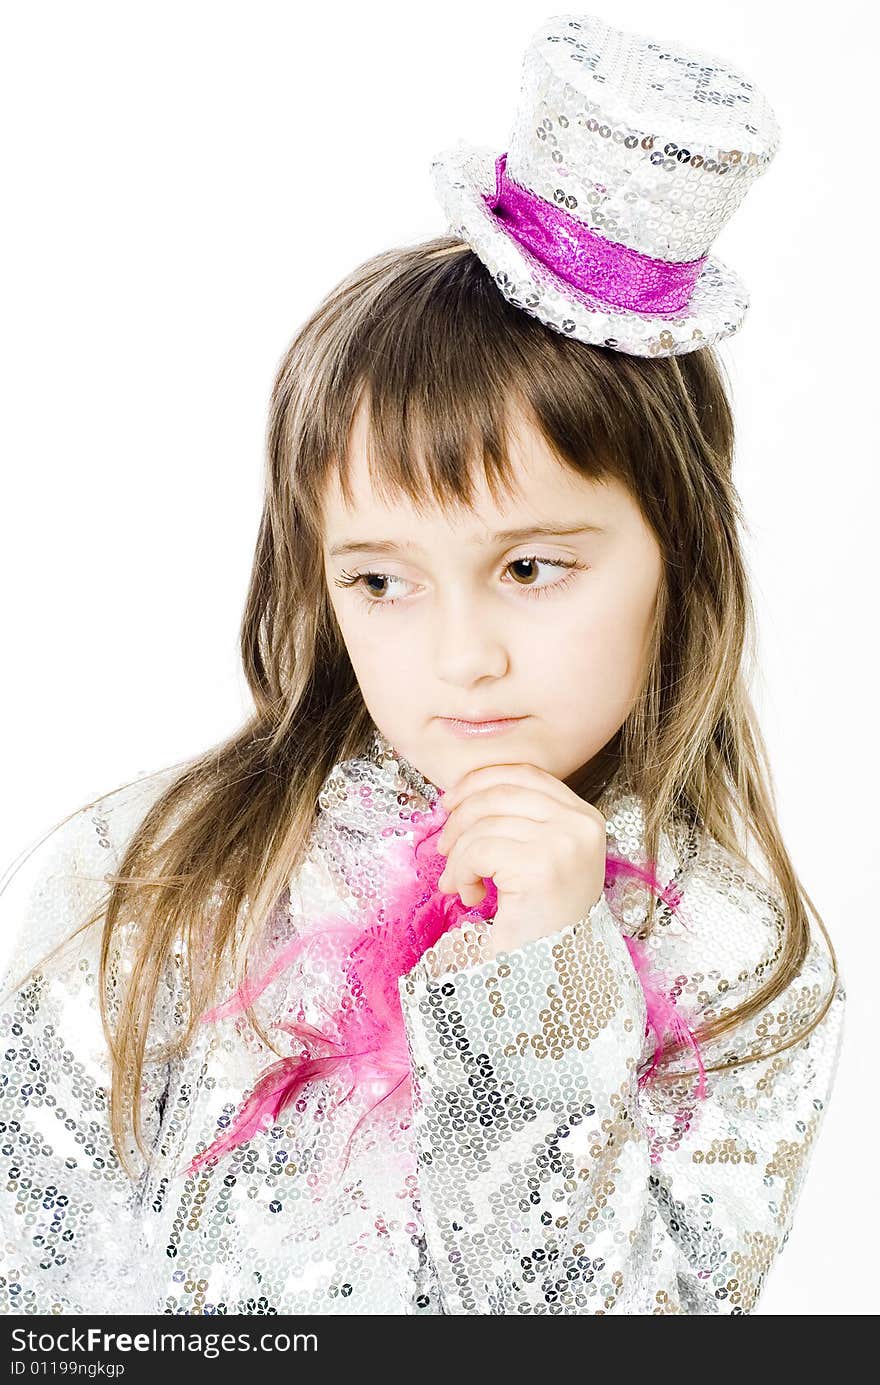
<point>183,182</point>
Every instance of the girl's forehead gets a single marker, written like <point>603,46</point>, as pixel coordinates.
<point>538,486</point>
<point>547,497</point>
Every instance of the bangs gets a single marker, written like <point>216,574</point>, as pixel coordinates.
<point>434,449</point>
<point>442,371</point>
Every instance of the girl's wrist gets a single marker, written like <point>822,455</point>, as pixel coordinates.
<point>501,937</point>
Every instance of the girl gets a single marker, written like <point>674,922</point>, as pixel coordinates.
<point>471,975</point>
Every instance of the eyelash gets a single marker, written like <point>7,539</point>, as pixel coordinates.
<point>353,579</point>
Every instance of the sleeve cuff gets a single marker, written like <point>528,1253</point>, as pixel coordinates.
<point>555,995</point>
<point>465,948</point>
<point>561,1012</point>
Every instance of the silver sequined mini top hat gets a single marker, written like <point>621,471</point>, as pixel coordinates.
<point>628,155</point>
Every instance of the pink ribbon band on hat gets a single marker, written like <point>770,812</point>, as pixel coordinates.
<point>615,274</point>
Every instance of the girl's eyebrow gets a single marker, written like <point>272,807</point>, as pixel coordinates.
<point>502,536</point>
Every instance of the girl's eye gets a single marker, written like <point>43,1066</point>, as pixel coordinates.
<point>357,580</point>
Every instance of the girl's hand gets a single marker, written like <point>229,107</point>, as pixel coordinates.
<point>542,845</point>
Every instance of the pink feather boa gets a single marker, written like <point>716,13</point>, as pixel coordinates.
<point>366,1035</point>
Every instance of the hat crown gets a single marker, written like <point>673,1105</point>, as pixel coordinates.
<point>649,143</point>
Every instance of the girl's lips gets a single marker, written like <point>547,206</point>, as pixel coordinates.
<point>481,728</point>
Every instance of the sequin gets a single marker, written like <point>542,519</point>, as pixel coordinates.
<point>645,148</point>
<point>527,1174</point>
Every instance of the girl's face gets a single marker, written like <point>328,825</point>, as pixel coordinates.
<point>461,618</point>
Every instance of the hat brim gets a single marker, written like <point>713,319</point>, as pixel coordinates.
<point>716,308</point>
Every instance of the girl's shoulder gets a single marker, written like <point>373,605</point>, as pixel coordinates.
<point>55,883</point>
<point>721,927</point>
<point>52,905</point>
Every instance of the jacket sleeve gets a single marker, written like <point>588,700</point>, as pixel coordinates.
<point>69,1223</point>
<point>550,1181</point>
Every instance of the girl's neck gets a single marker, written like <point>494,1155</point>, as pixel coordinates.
<point>592,779</point>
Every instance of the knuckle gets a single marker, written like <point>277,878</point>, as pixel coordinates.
<point>571,846</point>
<point>594,827</point>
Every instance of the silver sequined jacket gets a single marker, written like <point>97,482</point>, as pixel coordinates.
<point>526,1173</point>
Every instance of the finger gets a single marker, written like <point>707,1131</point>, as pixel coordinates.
<point>492,858</point>
<point>492,840</point>
<point>518,829</point>
<point>506,799</point>
<point>516,774</point>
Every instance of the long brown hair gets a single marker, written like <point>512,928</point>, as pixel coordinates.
<point>424,338</point>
